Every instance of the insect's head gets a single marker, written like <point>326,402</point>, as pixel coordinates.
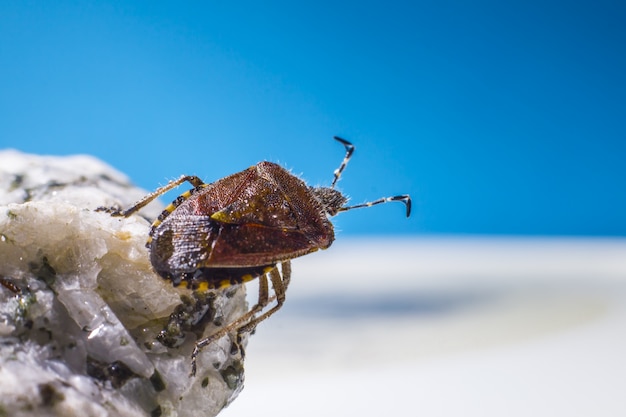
<point>334,201</point>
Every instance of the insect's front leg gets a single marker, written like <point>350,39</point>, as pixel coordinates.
<point>117,212</point>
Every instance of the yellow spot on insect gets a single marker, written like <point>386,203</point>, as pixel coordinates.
<point>220,216</point>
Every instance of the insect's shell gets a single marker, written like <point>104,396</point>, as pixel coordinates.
<point>235,228</point>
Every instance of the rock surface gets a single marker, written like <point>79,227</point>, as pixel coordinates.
<point>81,308</point>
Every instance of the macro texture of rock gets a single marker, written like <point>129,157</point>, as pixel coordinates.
<point>81,308</point>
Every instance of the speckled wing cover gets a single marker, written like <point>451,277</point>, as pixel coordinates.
<point>256,217</point>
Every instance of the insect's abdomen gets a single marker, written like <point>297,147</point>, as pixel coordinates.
<point>180,244</point>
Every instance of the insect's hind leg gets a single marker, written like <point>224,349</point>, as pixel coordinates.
<point>280,284</point>
<point>261,303</point>
<point>248,322</point>
<point>192,179</point>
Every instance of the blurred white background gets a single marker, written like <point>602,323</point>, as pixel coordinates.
<point>446,327</point>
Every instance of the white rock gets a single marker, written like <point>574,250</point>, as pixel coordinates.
<point>80,307</point>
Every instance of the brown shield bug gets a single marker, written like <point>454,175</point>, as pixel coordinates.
<point>240,228</point>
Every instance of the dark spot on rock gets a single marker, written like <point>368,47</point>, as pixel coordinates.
<point>117,372</point>
<point>233,375</point>
<point>50,396</point>
<point>157,412</point>
<point>157,382</point>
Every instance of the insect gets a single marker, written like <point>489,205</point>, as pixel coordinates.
<point>240,228</point>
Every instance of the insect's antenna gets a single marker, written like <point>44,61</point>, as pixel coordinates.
<point>404,198</point>
<point>349,150</point>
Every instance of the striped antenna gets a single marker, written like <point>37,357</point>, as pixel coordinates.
<point>349,150</point>
<point>404,198</point>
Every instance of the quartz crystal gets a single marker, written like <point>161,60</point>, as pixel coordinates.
<point>81,308</point>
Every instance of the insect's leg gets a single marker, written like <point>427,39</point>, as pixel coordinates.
<point>192,179</point>
<point>236,324</point>
<point>404,198</point>
<point>280,284</point>
<point>286,271</point>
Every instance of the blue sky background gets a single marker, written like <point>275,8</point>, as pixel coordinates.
<point>497,117</point>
